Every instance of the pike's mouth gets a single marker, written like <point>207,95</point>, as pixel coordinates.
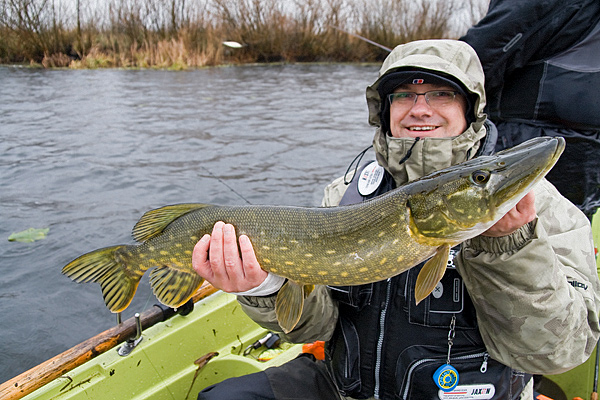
<point>560,147</point>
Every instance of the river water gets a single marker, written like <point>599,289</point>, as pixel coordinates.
<point>86,153</point>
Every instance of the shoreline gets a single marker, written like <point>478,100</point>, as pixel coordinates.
<point>186,34</point>
<point>191,68</point>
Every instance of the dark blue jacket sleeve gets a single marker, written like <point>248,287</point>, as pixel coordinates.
<point>514,33</point>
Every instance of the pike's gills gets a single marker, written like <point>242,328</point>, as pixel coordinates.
<point>345,245</point>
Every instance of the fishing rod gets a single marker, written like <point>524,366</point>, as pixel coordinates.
<point>226,185</point>
<point>236,45</point>
<point>362,38</point>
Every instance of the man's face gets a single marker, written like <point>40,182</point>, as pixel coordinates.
<point>423,120</point>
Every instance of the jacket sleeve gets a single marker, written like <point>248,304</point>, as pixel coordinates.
<point>514,33</point>
<point>317,322</point>
<point>536,291</point>
<point>334,192</point>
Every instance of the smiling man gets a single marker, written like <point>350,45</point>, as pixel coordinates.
<point>439,113</point>
<point>507,306</point>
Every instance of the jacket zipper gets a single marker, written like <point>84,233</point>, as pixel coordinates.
<point>482,369</point>
<point>380,340</point>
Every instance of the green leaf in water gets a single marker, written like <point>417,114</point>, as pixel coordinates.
<point>29,235</point>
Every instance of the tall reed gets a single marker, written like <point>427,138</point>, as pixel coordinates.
<point>189,33</point>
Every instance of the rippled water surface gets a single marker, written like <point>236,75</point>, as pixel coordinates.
<point>86,153</point>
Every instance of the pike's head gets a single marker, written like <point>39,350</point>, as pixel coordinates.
<point>461,202</point>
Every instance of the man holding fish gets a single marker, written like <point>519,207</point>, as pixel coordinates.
<point>522,298</point>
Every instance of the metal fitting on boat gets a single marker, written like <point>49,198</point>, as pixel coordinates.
<point>130,344</point>
<point>270,340</point>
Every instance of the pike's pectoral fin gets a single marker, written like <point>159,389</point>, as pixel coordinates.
<point>174,287</point>
<point>431,273</point>
<point>289,304</point>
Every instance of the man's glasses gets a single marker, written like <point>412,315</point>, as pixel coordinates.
<point>435,98</point>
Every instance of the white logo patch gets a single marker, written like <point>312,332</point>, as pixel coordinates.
<point>370,178</point>
<point>481,391</point>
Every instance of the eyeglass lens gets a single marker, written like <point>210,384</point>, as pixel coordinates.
<point>432,97</point>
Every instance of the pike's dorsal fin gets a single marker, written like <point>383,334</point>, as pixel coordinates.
<point>174,287</point>
<point>289,304</point>
<point>431,273</point>
<point>154,222</point>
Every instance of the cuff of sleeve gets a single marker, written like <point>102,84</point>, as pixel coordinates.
<point>505,244</point>
<point>269,286</point>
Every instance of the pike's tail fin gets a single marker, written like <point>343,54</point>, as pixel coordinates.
<point>103,267</point>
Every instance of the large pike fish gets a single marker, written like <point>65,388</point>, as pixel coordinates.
<point>345,245</point>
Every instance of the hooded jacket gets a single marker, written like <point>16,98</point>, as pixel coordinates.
<point>533,293</point>
<point>448,57</point>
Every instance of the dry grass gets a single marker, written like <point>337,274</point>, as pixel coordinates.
<point>180,34</point>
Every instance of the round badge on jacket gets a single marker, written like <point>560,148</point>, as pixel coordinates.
<point>446,377</point>
<point>370,178</point>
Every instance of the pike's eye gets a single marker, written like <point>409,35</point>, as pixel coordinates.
<point>480,177</point>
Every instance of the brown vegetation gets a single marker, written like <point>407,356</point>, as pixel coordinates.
<point>179,34</point>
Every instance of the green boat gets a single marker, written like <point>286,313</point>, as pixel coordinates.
<point>175,356</point>
<point>163,364</point>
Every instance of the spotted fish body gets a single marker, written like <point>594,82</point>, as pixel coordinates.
<point>346,245</point>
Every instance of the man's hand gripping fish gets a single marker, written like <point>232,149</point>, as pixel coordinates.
<point>346,245</point>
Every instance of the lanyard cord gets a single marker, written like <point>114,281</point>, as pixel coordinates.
<point>356,160</point>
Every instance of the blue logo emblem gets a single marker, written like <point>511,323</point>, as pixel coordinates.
<point>446,377</point>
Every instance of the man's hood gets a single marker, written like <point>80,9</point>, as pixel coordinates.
<point>450,58</point>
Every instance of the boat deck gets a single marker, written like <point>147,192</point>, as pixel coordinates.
<point>162,365</point>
